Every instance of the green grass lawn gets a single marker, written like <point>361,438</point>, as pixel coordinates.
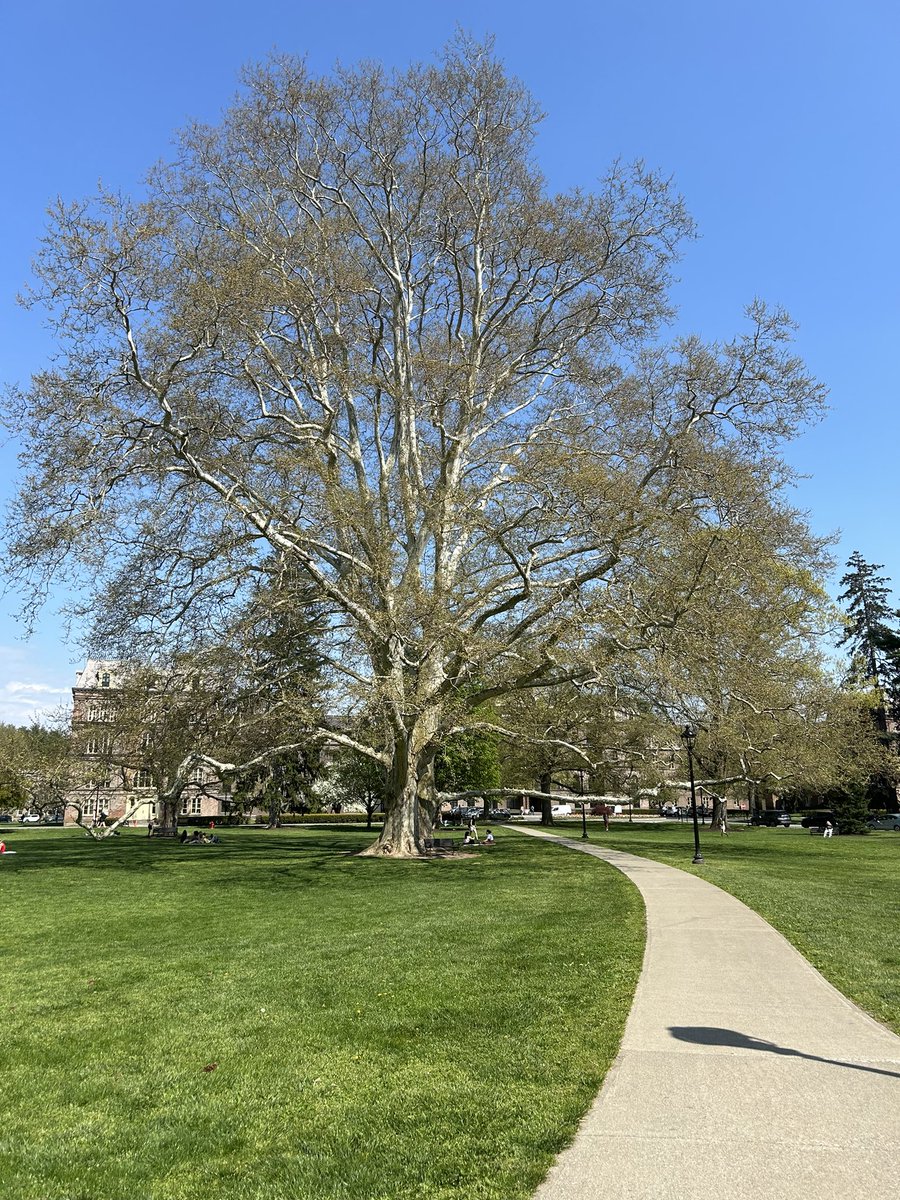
<point>837,900</point>
<point>277,1018</point>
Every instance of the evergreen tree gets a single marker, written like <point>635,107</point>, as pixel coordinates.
<point>869,634</point>
<point>874,641</point>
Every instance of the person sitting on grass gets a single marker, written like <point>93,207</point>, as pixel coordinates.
<point>488,838</point>
<point>184,836</point>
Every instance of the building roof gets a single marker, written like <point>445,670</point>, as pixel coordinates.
<point>96,669</point>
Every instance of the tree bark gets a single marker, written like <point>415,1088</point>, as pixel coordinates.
<point>407,817</point>
<point>545,784</point>
<point>167,818</point>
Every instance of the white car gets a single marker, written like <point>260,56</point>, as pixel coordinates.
<point>891,821</point>
<point>30,819</point>
<point>561,810</point>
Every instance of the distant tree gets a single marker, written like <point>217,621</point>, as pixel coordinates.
<point>873,639</point>
<point>12,791</point>
<point>359,780</point>
<point>871,634</point>
<point>850,805</point>
<point>576,740</point>
<point>279,783</point>
<point>36,767</point>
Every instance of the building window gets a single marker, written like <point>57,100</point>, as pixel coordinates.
<point>143,778</point>
<point>104,679</point>
<point>195,806</point>
<point>198,775</point>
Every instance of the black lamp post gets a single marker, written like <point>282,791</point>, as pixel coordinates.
<point>584,831</point>
<point>689,737</point>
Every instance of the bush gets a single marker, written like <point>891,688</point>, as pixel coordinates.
<point>342,818</point>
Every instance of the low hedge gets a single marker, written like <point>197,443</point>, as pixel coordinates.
<point>341,818</point>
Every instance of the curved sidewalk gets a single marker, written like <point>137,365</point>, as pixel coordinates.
<point>742,1073</point>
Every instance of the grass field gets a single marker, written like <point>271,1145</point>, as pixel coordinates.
<point>837,900</point>
<point>276,1018</point>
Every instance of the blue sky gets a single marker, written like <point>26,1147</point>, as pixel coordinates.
<point>778,121</point>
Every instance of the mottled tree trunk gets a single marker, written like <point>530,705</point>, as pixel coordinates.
<point>407,816</point>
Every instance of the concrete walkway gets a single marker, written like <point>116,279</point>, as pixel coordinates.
<point>742,1074</point>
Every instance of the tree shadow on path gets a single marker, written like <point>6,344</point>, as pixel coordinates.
<point>705,1035</point>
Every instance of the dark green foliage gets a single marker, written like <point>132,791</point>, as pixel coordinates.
<point>874,640</point>
<point>361,780</point>
<point>282,782</point>
<point>850,805</point>
<point>468,761</point>
<point>871,635</point>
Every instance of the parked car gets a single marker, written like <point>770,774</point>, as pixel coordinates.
<point>817,819</point>
<point>891,821</point>
<point>561,810</point>
<point>461,814</point>
<point>771,817</point>
<point>30,819</point>
<point>5,817</point>
<point>669,810</point>
<point>499,814</point>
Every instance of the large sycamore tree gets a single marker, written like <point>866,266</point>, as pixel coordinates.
<point>350,326</point>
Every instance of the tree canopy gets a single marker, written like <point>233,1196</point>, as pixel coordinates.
<point>350,327</point>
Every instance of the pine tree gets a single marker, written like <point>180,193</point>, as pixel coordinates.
<point>870,635</point>
<point>874,640</point>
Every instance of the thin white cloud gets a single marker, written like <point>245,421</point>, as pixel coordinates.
<point>15,686</point>
<point>29,691</point>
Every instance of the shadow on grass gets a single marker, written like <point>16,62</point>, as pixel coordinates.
<point>251,856</point>
<point>134,852</point>
<point>706,1035</point>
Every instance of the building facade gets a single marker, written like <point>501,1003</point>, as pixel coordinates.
<point>119,756</point>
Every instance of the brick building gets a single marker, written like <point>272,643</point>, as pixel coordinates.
<point>118,759</point>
